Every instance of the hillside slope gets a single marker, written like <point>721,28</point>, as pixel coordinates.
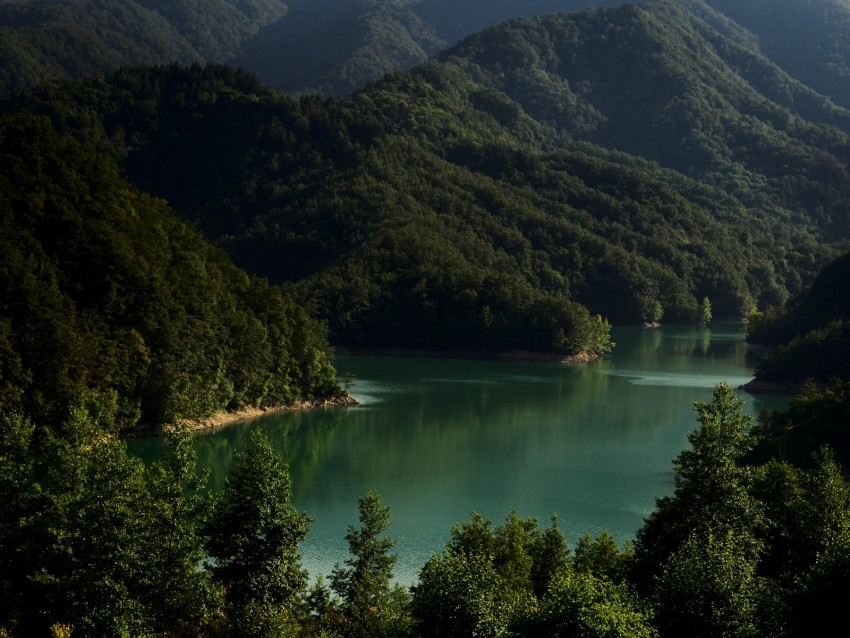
<point>423,213</point>
<point>76,38</point>
<point>108,298</point>
<point>657,81</point>
<point>810,39</point>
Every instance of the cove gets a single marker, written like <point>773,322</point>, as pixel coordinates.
<point>441,438</point>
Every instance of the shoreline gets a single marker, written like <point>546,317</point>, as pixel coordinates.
<point>223,419</point>
<point>481,355</point>
<point>776,388</point>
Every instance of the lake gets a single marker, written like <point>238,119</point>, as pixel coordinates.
<point>441,438</point>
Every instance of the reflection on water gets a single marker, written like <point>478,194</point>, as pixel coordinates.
<point>440,438</point>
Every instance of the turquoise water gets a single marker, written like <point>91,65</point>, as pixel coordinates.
<point>441,438</point>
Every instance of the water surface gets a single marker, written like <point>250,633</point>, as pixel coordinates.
<point>441,438</point>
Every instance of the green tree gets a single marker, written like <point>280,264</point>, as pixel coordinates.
<point>602,557</point>
<point>709,588</point>
<point>371,606</point>
<point>711,486</point>
<point>704,311</point>
<point>457,596</point>
<point>581,604</point>
<point>252,538</point>
<point>183,599</point>
<point>80,541</point>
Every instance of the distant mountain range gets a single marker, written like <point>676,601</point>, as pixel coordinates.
<point>336,46</point>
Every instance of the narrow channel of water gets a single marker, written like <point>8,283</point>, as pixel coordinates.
<point>441,438</point>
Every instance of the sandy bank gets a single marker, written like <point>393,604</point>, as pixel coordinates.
<point>221,419</point>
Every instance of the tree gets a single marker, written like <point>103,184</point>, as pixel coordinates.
<point>704,311</point>
<point>458,597</point>
<point>79,544</point>
<point>709,588</point>
<point>710,486</point>
<point>181,594</point>
<point>370,605</point>
<point>602,557</point>
<point>252,538</point>
<point>581,604</point>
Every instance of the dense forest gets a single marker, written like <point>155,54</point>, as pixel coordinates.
<point>811,333</point>
<point>333,47</point>
<point>110,301</point>
<point>536,175</point>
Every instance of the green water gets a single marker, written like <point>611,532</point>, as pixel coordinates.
<point>441,438</point>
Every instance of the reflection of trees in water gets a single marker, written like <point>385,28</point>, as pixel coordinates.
<point>659,345</point>
<point>300,437</point>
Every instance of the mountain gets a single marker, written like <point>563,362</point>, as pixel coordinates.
<point>110,300</point>
<point>810,39</point>
<point>334,47</point>
<point>42,40</point>
<point>422,213</point>
<point>657,81</point>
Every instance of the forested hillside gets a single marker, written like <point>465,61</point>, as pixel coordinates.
<point>811,332</point>
<point>657,81</point>
<point>337,46</point>
<point>617,160</point>
<point>110,301</point>
<point>420,213</point>
<point>41,40</point>
<point>805,344</point>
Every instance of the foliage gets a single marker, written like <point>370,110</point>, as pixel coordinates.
<point>94,543</point>
<point>253,533</point>
<point>812,331</point>
<point>709,588</point>
<point>487,580</point>
<point>370,606</point>
<point>581,604</point>
<point>107,292</point>
<point>711,495</point>
<point>602,557</point>
<point>816,416</point>
<point>90,540</point>
<point>430,211</point>
<point>372,38</point>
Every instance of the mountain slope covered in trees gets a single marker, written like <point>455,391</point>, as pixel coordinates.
<point>471,203</point>
<point>421,214</point>
<point>337,46</point>
<point>811,332</point>
<point>657,81</point>
<point>108,298</point>
<point>54,39</point>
